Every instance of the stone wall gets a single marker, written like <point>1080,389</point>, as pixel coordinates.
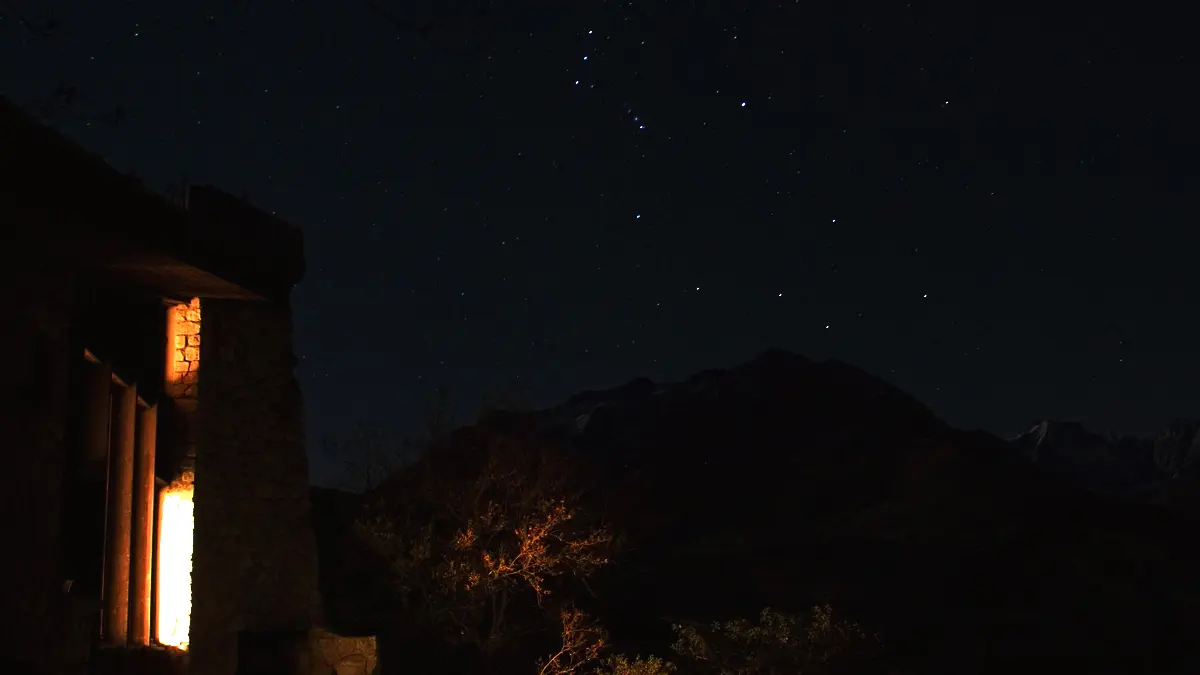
<point>343,655</point>
<point>255,558</point>
<point>179,428</point>
<point>183,326</point>
<point>36,299</point>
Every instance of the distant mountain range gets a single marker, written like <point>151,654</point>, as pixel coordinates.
<point>1139,468</point>
<point>787,482</point>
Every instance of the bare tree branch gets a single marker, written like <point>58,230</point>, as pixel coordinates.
<point>46,28</point>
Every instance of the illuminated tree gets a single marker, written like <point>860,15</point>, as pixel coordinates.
<point>480,534</point>
<point>583,642</point>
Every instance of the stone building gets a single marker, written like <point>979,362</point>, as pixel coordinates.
<point>154,496</point>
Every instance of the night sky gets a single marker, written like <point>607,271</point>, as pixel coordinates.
<point>995,213</point>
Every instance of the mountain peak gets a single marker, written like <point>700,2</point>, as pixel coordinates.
<point>1118,466</point>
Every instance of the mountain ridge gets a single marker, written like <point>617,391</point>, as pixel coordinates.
<point>1140,468</point>
<point>790,482</point>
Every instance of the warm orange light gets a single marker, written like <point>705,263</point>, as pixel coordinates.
<point>175,564</point>
<point>183,349</point>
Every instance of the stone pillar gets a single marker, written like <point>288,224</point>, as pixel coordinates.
<point>255,563</point>
<point>118,526</point>
<point>142,556</point>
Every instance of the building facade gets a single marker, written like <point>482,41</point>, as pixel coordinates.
<point>154,491</point>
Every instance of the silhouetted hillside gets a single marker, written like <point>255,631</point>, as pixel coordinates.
<point>786,482</point>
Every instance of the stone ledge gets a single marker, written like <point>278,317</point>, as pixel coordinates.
<point>345,655</point>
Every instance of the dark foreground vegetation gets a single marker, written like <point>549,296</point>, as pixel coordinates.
<point>784,516</point>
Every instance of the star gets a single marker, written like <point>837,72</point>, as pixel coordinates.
<point>724,191</point>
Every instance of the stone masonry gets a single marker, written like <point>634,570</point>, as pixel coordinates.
<point>255,557</point>
<point>182,387</point>
<point>342,655</point>
<point>183,374</point>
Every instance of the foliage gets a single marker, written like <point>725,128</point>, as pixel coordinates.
<point>620,664</point>
<point>479,533</point>
<point>776,644</point>
<point>582,641</point>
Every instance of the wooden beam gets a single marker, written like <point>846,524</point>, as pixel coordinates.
<point>119,523</point>
<point>141,567</point>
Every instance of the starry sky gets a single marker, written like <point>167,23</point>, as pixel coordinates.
<point>994,212</point>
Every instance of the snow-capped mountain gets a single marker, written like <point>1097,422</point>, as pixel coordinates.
<point>1143,468</point>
